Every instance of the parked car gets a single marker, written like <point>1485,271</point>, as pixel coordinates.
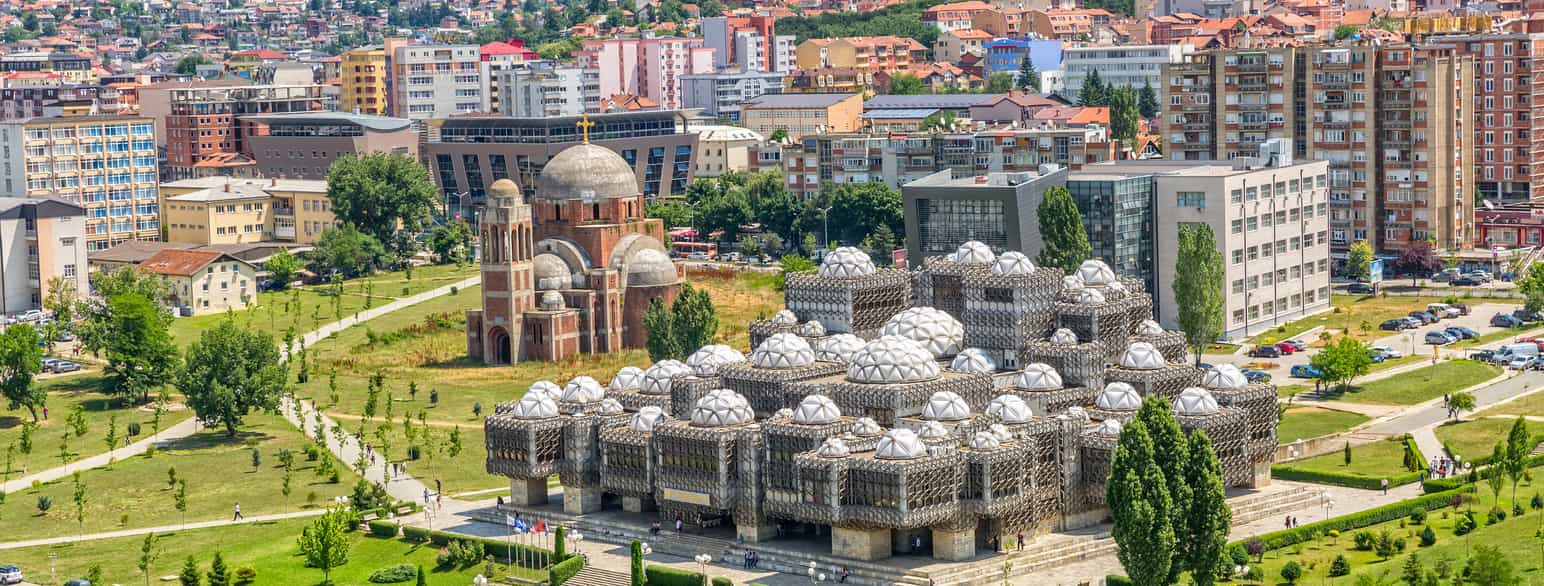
<point>1360,289</point>
<point>1482,355</point>
<point>1502,320</point>
<point>1426,317</point>
<point>1297,345</point>
<point>65,337</point>
<point>1520,362</point>
<point>10,575</point>
<point>65,366</point>
<point>1204,366</point>
<point>1443,310</point>
<point>1389,351</point>
<point>1266,351</point>
<point>29,315</point>
<point>1465,282</point>
<point>1286,348</point>
<point>1256,376</point>
<point>1305,371</point>
<point>77,582</point>
<point>1526,315</point>
<point>1394,325</point>
<point>1461,332</point>
<point>1439,338</point>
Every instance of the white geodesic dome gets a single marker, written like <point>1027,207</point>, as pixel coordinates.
<point>946,406</point>
<point>1009,409</point>
<point>583,389</point>
<point>973,360</point>
<point>974,253</point>
<point>984,441</point>
<point>1116,286</point>
<point>838,347</point>
<point>866,427</point>
<point>816,410</point>
<point>935,329</point>
<point>1013,263</point>
<point>1149,328</point>
<point>932,430</point>
<point>784,413</point>
<point>1087,296</point>
<point>628,378</point>
<point>656,380</point>
<point>785,317</point>
<point>720,408</point>
<point>1038,376</point>
<point>847,262</point>
<point>1075,413</point>
<point>706,360</point>
<point>551,300</point>
<point>1071,282</point>
<point>1109,428</point>
<point>1095,272</point>
<point>1000,432</point>
<point>900,444</point>
<point>1064,337</point>
<point>1118,397</point>
<point>1224,377</point>
<point>647,418</point>
<point>610,406</point>
<point>545,387</point>
<point>1141,356</point>
<point>833,447</point>
<point>892,359</point>
<point>783,350</point>
<point>812,329</point>
<point>535,406</point>
<point>1195,401</point>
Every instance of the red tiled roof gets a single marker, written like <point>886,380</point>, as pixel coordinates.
<point>178,262</point>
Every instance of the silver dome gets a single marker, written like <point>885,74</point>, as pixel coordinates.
<point>550,272</point>
<point>551,300</point>
<point>892,359</point>
<point>1038,376</point>
<point>1071,282</point>
<point>651,268</point>
<point>706,360</point>
<point>586,171</point>
<point>833,447</point>
<point>1224,377</point>
<point>1013,263</point>
<point>785,317</point>
<point>1064,337</point>
<point>545,387</point>
<point>946,406</point>
<point>816,410</point>
<point>1000,432</point>
<point>939,332</point>
<point>647,418</point>
<point>1149,328</point>
<point>1009,409</point>
<point>1095,272</point>
<point>1087,296</point>
<point>974,253</point>
<point>656,380</point>
<point>847,262</point>
<point>838,347</point>
<point>535,406</point>
<point>1141,356</point>
<point>984,441</point>
<point>1195,401</point>
<point>583,389</point>
<point>1109,428</point>
<point>1119,397</point>
<point>900,444</point>
<point>973,360</point>
<point>628,378</point>
<point>783,350</point>
<point>866,427</point>
<point>610,406</point>
<point>812,329</point>
<point>721,408</point>
<point>933,430</point>
<point>785,413</point>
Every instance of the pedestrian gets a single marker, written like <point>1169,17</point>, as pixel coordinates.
<point>436,486</point>
<point>426,496</point>
<point>1288,522</point>
<point>845,573</point>
<point>238,513</point>
<point>678,523</point>
<point>500,502</point>
<point>1385,483</point>
<point>1021,541</point>
<point>45,414</point>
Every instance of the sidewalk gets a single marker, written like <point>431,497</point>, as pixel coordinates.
<point>161,529</point>
<point>176,432</point>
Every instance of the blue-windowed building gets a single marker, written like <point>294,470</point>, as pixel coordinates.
<point>105,164</point>
<point>1004,54</point>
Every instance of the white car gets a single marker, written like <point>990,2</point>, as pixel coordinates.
<point>1520,362</point>
<point>1388,351</point>
<point>10,575</point>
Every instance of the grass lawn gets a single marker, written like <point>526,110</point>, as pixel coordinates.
<point>1422,384</point>
<point>269,547</point>
<point>1531,404</point>
<point>1473,438</point>
<point>219,472</point>
<point>392,284</point>
<point>1310,422</point>
<point>1395,362</point>
<point>1377,459</point>
<point>64,394</point>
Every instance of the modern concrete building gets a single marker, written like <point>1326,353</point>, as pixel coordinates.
<point>105,164</point>
<point>721,149</point>
<point>999,210</point>
<point>364,79</point>
<point>803,114</point>
<point>649,67</point>
<point>438,81</point>
<point>867,54</point>
<point>720,95</point>
<point>303,145</point>
<point>1123,65</point>
<point>748,44</point>
<point>40,239</point>
<point>197,121</point>
<point>224,210</point>
<point>1506,115</point>
<point>542,89</point>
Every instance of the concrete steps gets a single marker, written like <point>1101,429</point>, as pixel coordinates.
<point>593,576</point>
<point>1250,508</point>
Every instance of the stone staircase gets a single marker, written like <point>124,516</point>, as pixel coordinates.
<point>1250,508</point>
<point>593,576</point>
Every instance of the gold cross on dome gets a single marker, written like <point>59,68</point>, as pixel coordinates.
<point>584,125</point>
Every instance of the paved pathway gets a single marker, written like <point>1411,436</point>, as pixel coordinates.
<point>176,432</point>
<point>161,529</point>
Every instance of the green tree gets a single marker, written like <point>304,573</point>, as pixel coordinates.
<point>63,301</point>
<point>779,135</point>
<point>674,212</point>
<point>661,342</point>
<point>1029,78</point>
<point>1207,516</point>
<point>1171,454</point>
<point>1532,288</point>
<point>140,352</point>
<point>999,83</point>
<point>96,325</point>
<point>638,576</point>
<point>1147,101</point>
<point>1359,260</point>
<point>1139,504</point>
<point>189,65</point>
<point>906,84</point>
<point>693,319</point>
<point>149,552</point>
<point>21,358</point>
<point>1461,402</point>
<point>219,575</point>
<point>1518,448</point>
<point>1061,231</point>
<point>282,267</point>
<point>79,498</point>
<point>347,250</point>
<point>111,438</point>
<point>942,121</point>
<point>1123,113</point>
<point>325,543</point>
<point>1342,360</point>
<point>451,242</point>
<point>189,575</point>
<point>1291,572</point>
<point>1497,478</point>
<point>1344,31</point>
<point>386,195</point>
<point>1414,574</point>
<point>180,500</point>
<point>1093,92</point>
<point>1490,567</point>
<point>857,209</point>
<point>1198,286</point>
<point>1418,260</point>
<point>231,371</point>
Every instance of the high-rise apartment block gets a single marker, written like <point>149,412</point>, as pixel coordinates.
<point>542,89</point>
<point>748,44</point>
<point>438,81</point>
<point>199,119</point>
<point>1391,120</point>
<point>647,67</point>
<point>1508,120</point>
<point>363,81</point>
<point>105,164</point>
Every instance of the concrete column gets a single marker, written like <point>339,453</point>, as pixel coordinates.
<point>528,492</point>
<point>1261,476</point>
<point>637,504</point>
<point>580,501</point>
<point>954,546</point>
<point>860,544</point>
<point>756,533</point>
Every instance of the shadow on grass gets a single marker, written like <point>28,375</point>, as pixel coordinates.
<point>210,438</point>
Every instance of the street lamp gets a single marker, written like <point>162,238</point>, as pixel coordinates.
<point>825,228</point>
<point>702,562</point>
<point>811,572</point>
<point>577,538</point>
<point>1328,504</point>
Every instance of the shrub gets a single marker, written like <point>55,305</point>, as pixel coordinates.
<point>1238,555</point>
<point>45,503</point>
<point>1365,540</point>
<point>246,575</point>
<point>1291,572</point>
<point>1400,544</point>
<point>667,576</point>
<point>133,428</point>
<point>1340,567</point>
<point>1428,537</point>
<point>1464,525</point>
<point>1255,546</point>
<point>1288,472</point>
<point>415,534</point>
<point>722,581</point>
<point>1496,515</point>
<point>384,529</point>
<point>477,409</point>
<point>394,574</point>
<point>1254,574</point>
<point>1117,580</point>
<point>565,570</point>
<point>1385,513</point>
<point>1418,517</point>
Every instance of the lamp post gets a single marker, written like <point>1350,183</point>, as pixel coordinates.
<point>811,572</point>
<point>1328,504</point>
<point>576,537</point>
<point>702,562</point>
<point>825,228</point>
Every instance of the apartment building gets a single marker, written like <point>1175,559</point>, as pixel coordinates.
<point>1010,22</point>
<point>71,68</point>
<point>1391,120</point>
<point>951,46</point>
<point>954,15</point>
<point>649,67</point>
<point>1120,65</point>
<point>105,164</point>
<point>363,81</point>
<point>867,54</point>
<point>548,89</point>
<point>40,239</point>
<point>198,124</point>
<point>225,210</point>
<point>803,114</point>
<point>438,81</point>
<point>748,44</point>
<point>203,282</point>
<point>719,95</point>
<point>303,145</point>
<point>1508,121</point>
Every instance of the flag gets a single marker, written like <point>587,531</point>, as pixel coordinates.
<point>517,524</point>
<point>541,526</point>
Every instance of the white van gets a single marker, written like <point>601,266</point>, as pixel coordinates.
<point>1443,310</point>
<point>1518,350</point>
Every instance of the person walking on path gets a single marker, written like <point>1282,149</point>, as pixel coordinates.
<point>238,513</point>
<point>1385,484</point>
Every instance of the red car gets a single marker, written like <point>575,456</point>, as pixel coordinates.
<point>1286,347</point>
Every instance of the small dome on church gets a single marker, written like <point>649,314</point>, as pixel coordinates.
<point>504,188</point>
<point>586,171</point>
<point>551,300</point>
<point>650,267</point>
<point>550,272</point>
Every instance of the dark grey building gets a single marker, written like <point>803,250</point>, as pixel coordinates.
<point>998,209</point>
<point>1117,211</point>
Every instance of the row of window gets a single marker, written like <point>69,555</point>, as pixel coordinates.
<point>1279,276</point>
<point>1279,305</point>
<point>1279,188</point>
<point>1282,246</point>
<point>1265,220</point>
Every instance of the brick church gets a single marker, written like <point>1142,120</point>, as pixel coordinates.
<point>573,270</point>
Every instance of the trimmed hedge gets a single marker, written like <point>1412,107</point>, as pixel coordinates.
<point>1373,516</point>
<point>1116,580</point>
<point>500,550</point>
<point>1415,449</point>
<point>565,570</point>
<point>668,576</point>
<point>1288,472</point>
<point>386,529</point>
<point>722,581</point>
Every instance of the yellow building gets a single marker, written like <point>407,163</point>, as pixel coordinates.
<point>224,210</point>
<point>363,77</point>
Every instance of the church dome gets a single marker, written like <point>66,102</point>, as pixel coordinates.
<point>847,262</point>
<point>504,188</point>
<point>892,359</point>
<point>583,389</point>
<point>628,378</point>
<point>545,387</point>
<point>833,447</point>
<point>535,406</point>
<point>935,329</point>
<point>1118,397</point>
<point>973,360</point>
<point>866,427</point>
<point>647,418</point>
<point>1064,337</point>
<point>974,253</point>
<point>650,268</point>
<point>1095,272</point>
<point>816,410</point>
<point>900,444</point>
<point>1109,428</point>
<point>1013,263</point>
<point>1141,356</point>
<point>550,272</point>
<point>783,351</point>
<point>838,347</point>
<point>706,360</point>
<point>1224,377</point>
<point>1010,409</point>
<point>1038,376</point>
<point>586,171</point>
<point>551,301</point>
<point>984,441</point>
<point>946,406</point>
<point>656,380</point>
<point>1195,401</point>
<point>721,408</point>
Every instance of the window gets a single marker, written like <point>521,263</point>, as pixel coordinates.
<point>1191,199</point>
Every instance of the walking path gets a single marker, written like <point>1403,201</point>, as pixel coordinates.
<point>176,432</point>
<point>161,529</point>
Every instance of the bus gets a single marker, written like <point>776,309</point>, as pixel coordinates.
<point>694,250</point>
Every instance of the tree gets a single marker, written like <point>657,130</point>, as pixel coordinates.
<point>140,351</point>
<point>1029,78</point>
<point>1061,231</point>
<point>62,301</point>
<point>1418,260</point>
<point>1147,100</point>
<point>999,83</point>
<point>180,500</point>
<point>674,212</point>
<point>111,439</point>
<point>21,358</point>
<point>325,543</point>
<point>1139,504</point>
<point>219,575</point>
<point>1093,92</point>
<point>1518,448</point>
<point>282,268</point>
<point>1490,567</point>
<point>942,121</point>
<point>1414,574</point>
<point>1461,402</point>
<point>857,209</point>
<point>772,205</point>
<point>1207,517</point>
<point>189,575</point>
<point>1171,455</point>
<point>347,250</point>
<point>779,135</point>
<point>148,554</point>
<point>189,65</point>
<point>231,371</point>
<point>1532,288</point>
<point>906,84</point>
<point>1342,360</point>
<point>79,498</point>
<point>693,319</point>
<point>96,325</point>
<point>1291,572</point>
<point>1198,286</point>
<point>1123,113</point>
<point>1359,260</point>
<point>386,195</point>
<point>1497,478</point>
<point>638,576</point>
<point>1344,31</point>
<point>451,242</point>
